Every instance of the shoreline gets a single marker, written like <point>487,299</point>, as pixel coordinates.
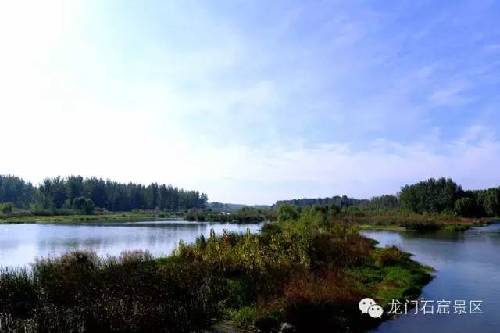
<point>242,265</point>
<point>107,218</point>
<point>68,219</point>
<point>457,226</point>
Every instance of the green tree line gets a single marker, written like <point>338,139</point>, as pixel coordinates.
<point>443,195</point>
<point>76,192</point>
<point>340,201</point>
<point>16,191</point>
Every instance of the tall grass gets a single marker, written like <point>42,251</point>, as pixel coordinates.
<point>80,292</point>
<point>305,270</point>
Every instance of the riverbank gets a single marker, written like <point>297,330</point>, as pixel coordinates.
<point>105,217</point>
<point>396,220</point>
<point>467,267</point>
<point>393,219</point>
<point>301,270</point>
<point>243,216</point>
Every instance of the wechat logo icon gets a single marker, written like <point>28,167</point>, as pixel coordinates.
<point>368,305</point>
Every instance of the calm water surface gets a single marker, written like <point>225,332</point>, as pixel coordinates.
<point>467,264</point>
<point>20,244</point>
<point>467,268</point>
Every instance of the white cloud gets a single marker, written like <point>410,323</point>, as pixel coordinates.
<point>452,94</point>
<point>71,104</point>
<point>338,169</point>
<point>97,139</point>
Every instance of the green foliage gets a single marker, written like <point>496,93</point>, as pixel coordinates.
<point>339,201</point>
<point>465,207</point>
<point>390,256</point>
<point>287,212</point>
<point>84,205</point>
<point>445,196</point>
<point>242,215</point>
<point>439,197</point>
<point>244,316</point>
<point>18,295</point>
<point>384,202</point>
<point>117,196</point>
<point>6,208</point>
<point>432,195</point>
<point>80,292</point>
<point>16,191</point>
<point>72,215</point>
<point>489,201</point>
<point>59,193</point>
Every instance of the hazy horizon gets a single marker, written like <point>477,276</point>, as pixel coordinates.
<point>252,102</point>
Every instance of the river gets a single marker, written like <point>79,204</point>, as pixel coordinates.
<point>467,264</point>
<point>467,267</point>
<point>21,244</point>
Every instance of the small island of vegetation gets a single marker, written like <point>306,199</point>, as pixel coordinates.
<point>305,270</point>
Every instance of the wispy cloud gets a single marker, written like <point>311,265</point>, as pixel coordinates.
<point>454,94</point>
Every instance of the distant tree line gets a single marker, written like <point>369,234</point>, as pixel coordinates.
<point>340,201</point>
<point>479,203</point>
<point>242,215</point>
<point>444,195</point>
<point>16,191</point>
<point>76,192</point>
<point>440,195</point>
<point>386,201</point>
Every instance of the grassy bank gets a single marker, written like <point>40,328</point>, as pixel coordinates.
<point>398,219</point>
<point>242,216</point>
<point>303,270</point>
<point>103,217</point>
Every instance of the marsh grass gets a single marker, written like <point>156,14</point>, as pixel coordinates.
<point>305,270</point>
<point>80,292</point>
<point>400,219</point>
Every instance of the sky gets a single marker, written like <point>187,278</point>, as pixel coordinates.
<point>252,101</point>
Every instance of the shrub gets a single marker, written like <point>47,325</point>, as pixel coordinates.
<point>130,293</point>
<point>17,293</point>
<point>245,317</point>
<point>325,303</point>
<point>6,208</point>
<point>390,256</point>
<point>84,205</point>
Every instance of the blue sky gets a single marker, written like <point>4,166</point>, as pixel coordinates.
<point>253,101</point>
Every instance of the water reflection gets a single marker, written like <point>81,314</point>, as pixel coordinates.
<point>20,244</point>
